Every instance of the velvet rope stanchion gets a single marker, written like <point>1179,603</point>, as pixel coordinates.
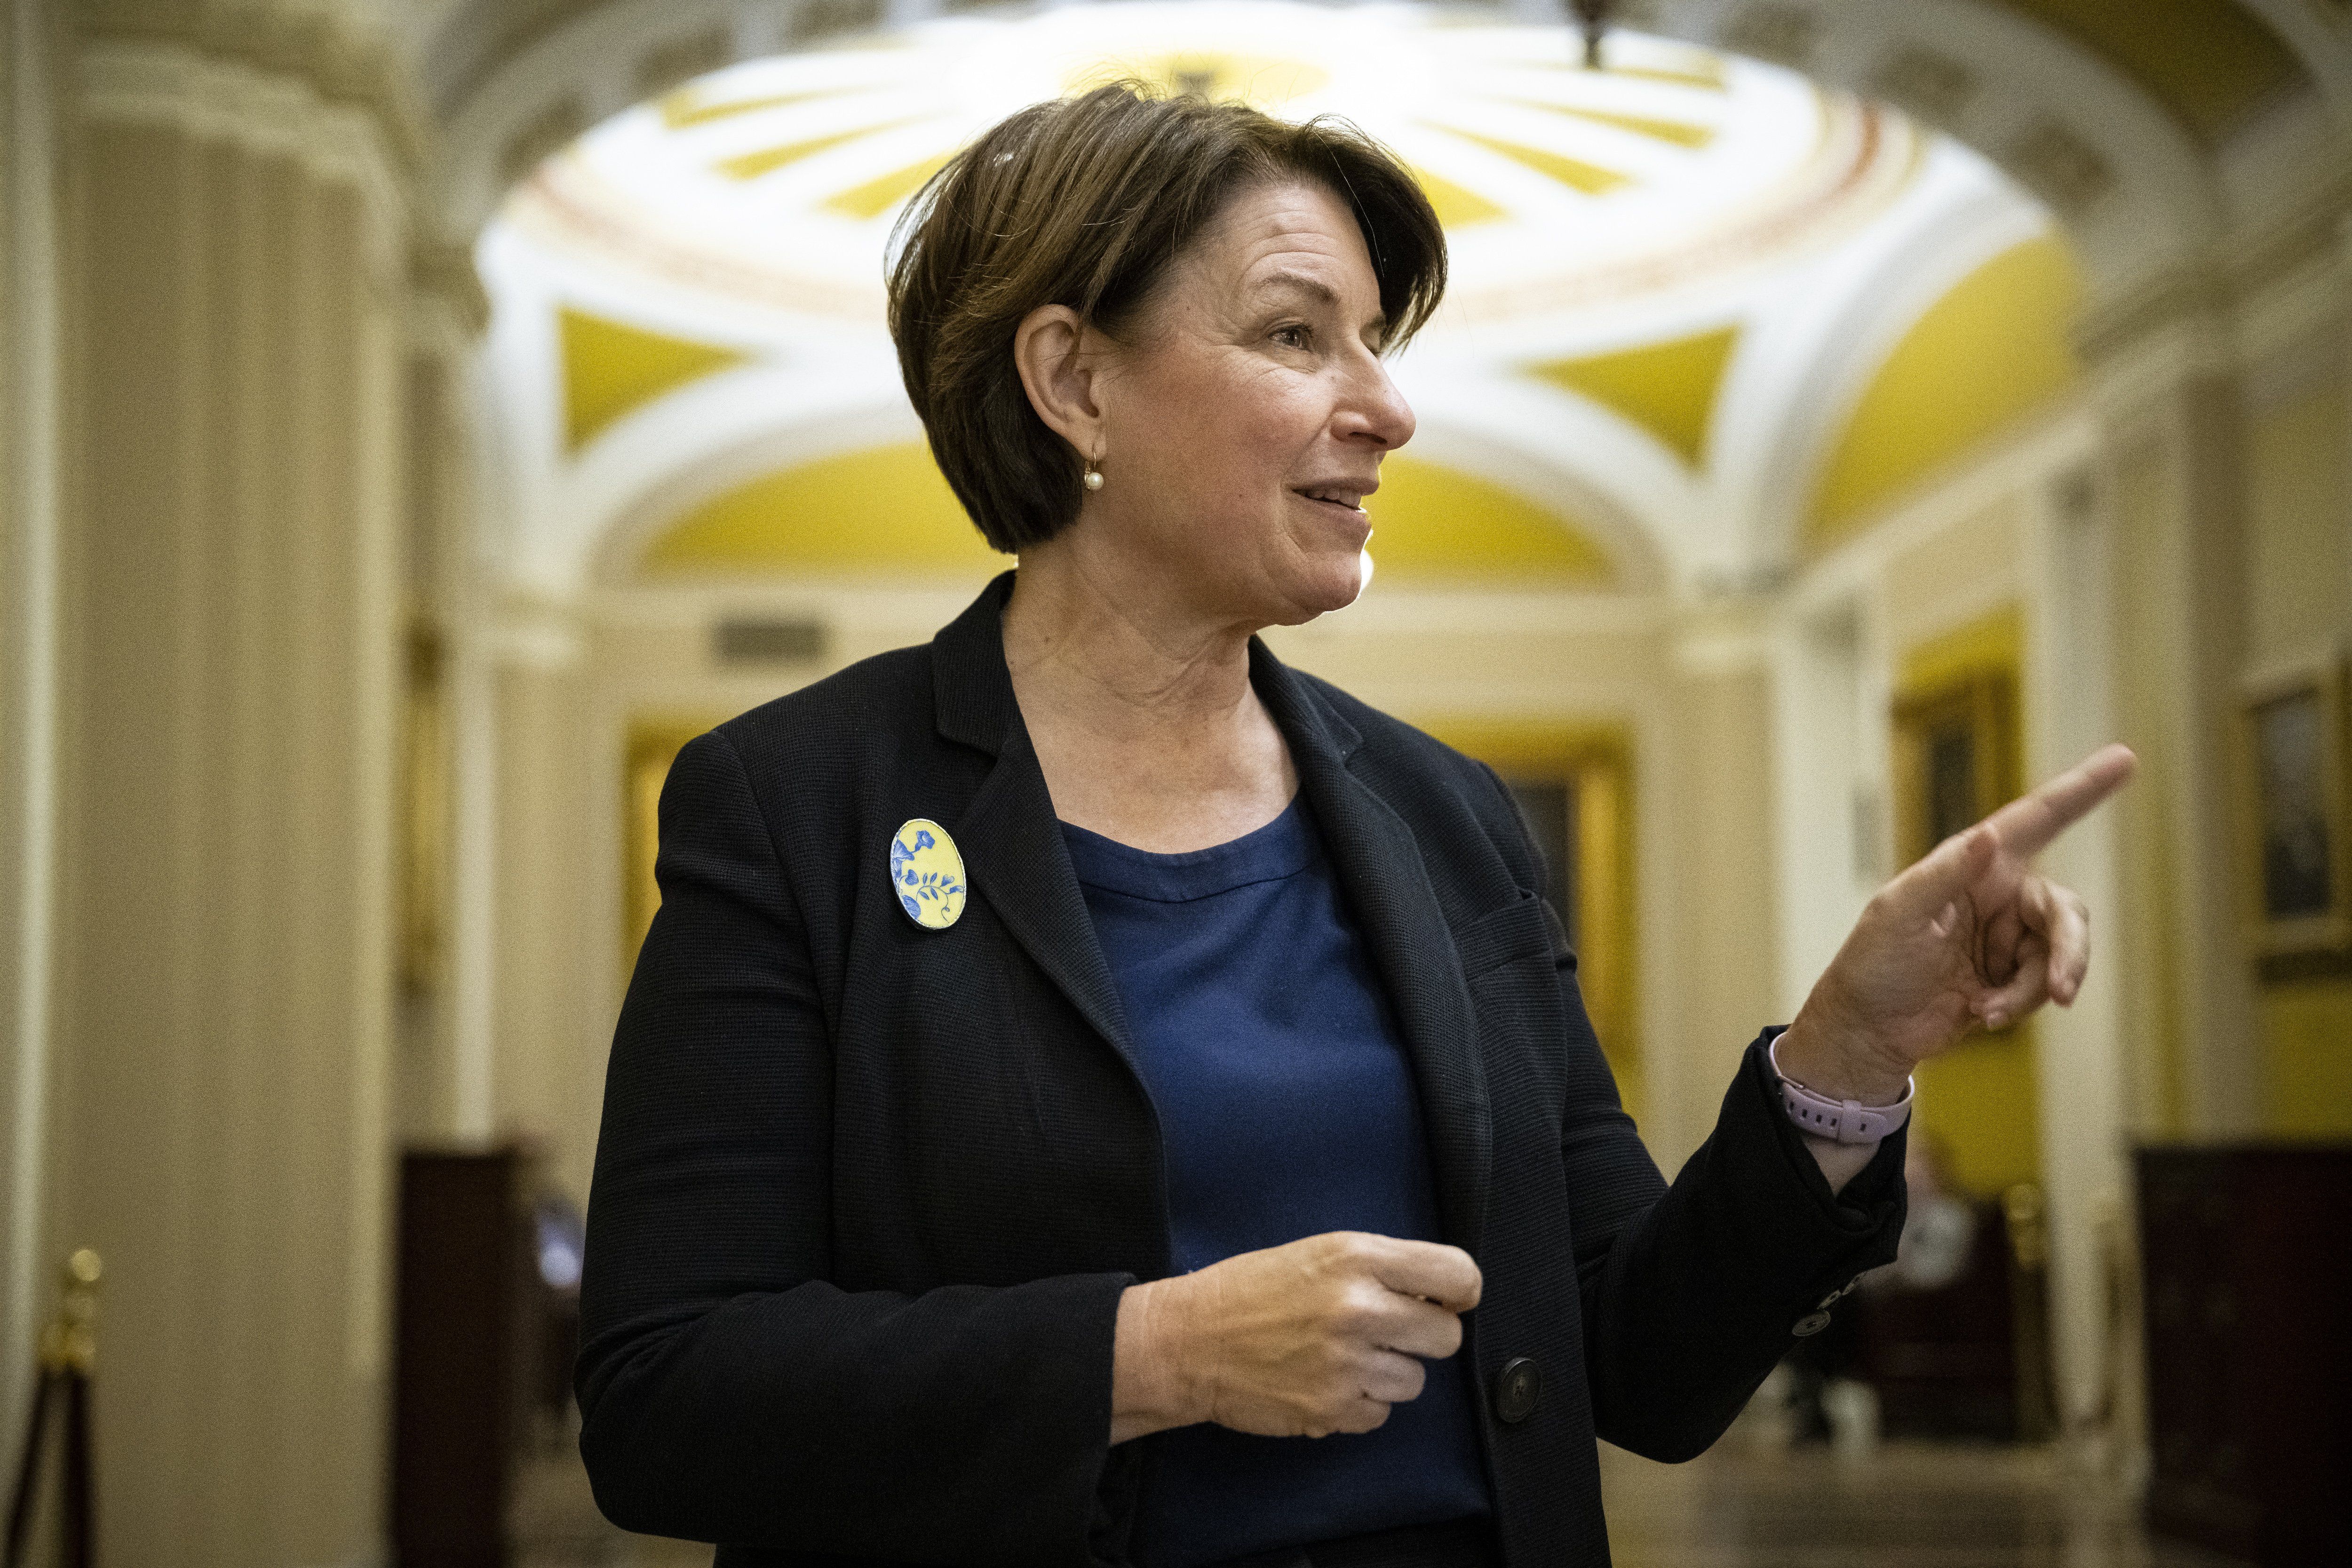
<point>68,1352</point>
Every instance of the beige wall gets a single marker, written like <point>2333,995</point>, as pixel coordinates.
<point>2299,486</point>
<point>2298,608</point>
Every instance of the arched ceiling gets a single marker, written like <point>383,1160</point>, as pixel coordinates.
<point>1661,269</point>
<point>1989,351</point>
<point>772,182</point>
<point>2212,63</point>
<point>2110,110</point>
<point>611,369</point>
<point>2208,62</point>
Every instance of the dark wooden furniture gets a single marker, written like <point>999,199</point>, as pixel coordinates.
<point>1967,1359</point>
<point>2247,1253</point>
<point>465,1341</point>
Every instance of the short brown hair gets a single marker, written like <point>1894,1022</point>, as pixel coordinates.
<point>1086,201</point>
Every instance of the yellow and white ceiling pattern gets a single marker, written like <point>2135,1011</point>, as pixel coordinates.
<point>689,302</point>
<point>776,180</point>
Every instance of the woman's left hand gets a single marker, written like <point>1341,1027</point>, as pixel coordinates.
<point>1969,937</point>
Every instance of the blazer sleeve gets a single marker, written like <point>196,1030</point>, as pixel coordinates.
<point>1690,1293</point>
<point>730,1392</point>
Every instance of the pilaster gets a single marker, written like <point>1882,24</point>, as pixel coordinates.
<point>32,415</point>
<point>552,1011</point>
<point>1724,961</point>
<point>2173,449</point>
<point>2083,1055</point>
<point>231,649</point>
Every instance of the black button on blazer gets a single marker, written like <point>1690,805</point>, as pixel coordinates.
<point>866,1193</point>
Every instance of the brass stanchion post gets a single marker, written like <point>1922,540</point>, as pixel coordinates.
<point>68,1353</point>
<point>2029,1295</point>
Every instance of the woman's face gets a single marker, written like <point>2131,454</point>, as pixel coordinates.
<point>1244,416</point>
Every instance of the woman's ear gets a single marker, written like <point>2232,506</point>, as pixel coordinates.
<point>1049,347</point>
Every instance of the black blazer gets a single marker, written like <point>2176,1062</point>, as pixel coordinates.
<point>867,1195</point>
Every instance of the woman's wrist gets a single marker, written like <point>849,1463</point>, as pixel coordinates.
<point>1798,1056</point>
<point>1834,1064</point>
<point>1150,1390</point>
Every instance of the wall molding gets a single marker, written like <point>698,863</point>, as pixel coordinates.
<point>228,100</point>
<point>314,46</point>
<point>443,272</point>
<point>2239,277</point>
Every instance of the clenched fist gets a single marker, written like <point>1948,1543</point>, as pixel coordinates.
<point>1322,1335</point>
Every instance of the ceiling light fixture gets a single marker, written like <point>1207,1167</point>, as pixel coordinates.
<point>1592,17</point>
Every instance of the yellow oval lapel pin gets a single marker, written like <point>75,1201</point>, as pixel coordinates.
<point>926,873</point>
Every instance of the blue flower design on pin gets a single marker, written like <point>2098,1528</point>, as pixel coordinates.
<point>927,874</point>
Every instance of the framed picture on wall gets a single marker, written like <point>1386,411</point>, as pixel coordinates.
<point>1956,758</point>
<point>1573,783</point>
<point>2299,843</point>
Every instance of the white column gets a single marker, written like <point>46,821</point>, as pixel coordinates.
<point>1827,737</point>
<point>2173,447</point>
<point>2154,574</point>
<point>553,1013</point>
<point>464,582</point>
<point>29,423</point>
<point>439,1098</point>
<point>1722,974</point>
<point>2081,1060</point>
<point>230,648</point>
<point>473,881</point>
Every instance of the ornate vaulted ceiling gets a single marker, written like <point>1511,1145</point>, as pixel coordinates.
<point>1673,277</point>
<point>2210,62</point>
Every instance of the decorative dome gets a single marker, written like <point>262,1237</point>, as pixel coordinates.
<point>1671,280</point>
<point>776,181</point>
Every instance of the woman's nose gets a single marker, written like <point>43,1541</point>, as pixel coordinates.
<point>1376,410</point>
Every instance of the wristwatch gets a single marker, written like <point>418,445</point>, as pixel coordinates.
<point>1839,1120</point>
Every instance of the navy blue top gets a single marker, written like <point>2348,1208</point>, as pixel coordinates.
<point>1287,1109</point>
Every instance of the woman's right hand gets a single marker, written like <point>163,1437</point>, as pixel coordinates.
<point>1318,1336</point>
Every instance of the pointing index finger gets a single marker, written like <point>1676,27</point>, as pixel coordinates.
<point>2028,824</point>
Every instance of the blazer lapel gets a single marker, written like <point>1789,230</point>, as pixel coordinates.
<point>1010,838</point>
<point>1379,867</point>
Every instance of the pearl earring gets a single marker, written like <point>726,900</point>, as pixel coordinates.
<point>1094,478</point>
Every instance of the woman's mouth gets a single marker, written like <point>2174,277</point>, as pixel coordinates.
<point>1337,495</point>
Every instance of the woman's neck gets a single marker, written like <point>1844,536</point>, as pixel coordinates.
<point>1139,705</point>
<point>1102,645</point>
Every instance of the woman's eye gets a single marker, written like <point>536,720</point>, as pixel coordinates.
<point>1292,337</point>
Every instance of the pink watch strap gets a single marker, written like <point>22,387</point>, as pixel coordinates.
<point>1843,1121</point>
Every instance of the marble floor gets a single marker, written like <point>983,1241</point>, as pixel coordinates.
<point>1901,1505</point>
<point>1740,1506</point>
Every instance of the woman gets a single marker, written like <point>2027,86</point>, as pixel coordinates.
<point>1228,1089</point>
